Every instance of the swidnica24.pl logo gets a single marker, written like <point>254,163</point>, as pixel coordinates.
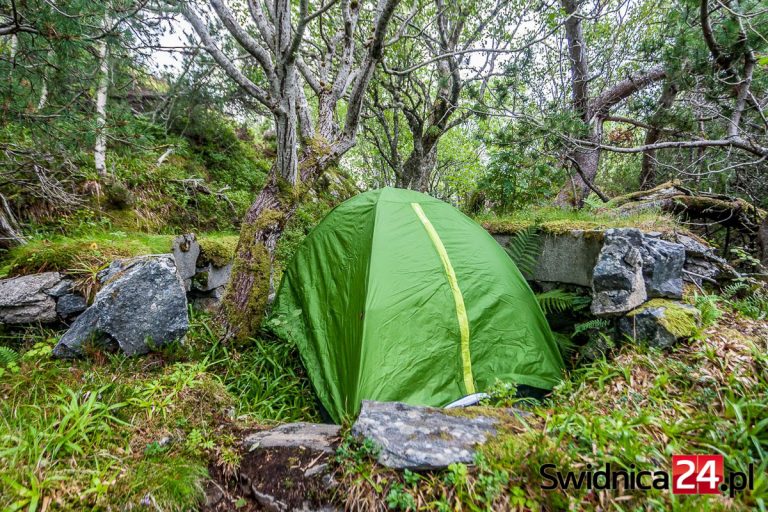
<point>691,474</point>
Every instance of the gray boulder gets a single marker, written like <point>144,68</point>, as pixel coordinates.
<point>662,267</point>
<point>617,282</point>
<point>70,305</point>
<point>210,277</point>
<point>186,250</point>
<point>26,299</point>
<point>661,323</point>
<point>702,262</point>
<point>207,301</point>
<point>142,304</point>
<point>63,287</point>
<point>634,266</point>
<point>421,438</point>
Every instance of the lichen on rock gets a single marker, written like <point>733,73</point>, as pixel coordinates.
<point>661,322</point>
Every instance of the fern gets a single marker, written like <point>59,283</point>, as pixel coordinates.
<point>734,289</point>
<point>593,202</point>
<point>707,306</point>
<point>556,301</point>
<point>8,357</point>
<point>564,343</point>
<point>596,323</point>
<point>523,248</point>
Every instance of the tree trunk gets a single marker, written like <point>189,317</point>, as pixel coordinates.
<point>588,160</point>
<point>100,148</point>
<point>762,237</point>
<point>574,192</point>
<point>249,292</point>
<point>247,295</point>
<point>287,162</point>
<point>652,136</point>
<point>418,168</point>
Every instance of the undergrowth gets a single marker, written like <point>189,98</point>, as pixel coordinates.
<point>135,433</point>
<point>633,408</point>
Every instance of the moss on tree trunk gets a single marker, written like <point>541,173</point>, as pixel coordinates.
<point>247,296</point>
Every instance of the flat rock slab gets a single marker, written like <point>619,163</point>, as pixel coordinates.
<point>28,299</point>
<point>313,436</point>
<point>186,250</point>
<point>567,257</point>
<point>421,438</point>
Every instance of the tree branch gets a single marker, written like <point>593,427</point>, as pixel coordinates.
<point>226,64</point>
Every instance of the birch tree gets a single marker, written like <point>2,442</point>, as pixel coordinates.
<point>100,148</point>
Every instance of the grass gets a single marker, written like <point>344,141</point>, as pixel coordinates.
<point>85,254</point>
<point>558,220</point>
<point>637,407</point>
<point>124,433</point>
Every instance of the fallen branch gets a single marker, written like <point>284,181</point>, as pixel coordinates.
<point>196,185</point>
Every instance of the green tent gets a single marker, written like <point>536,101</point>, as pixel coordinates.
<point>398,296</point>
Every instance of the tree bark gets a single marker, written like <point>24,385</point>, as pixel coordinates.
<point>762,237</point>
<point>418,168</point>
<point>573,193</point>
<point>587,158</point>
<point>287,161</point>
<point>652,136</point>
<point>251,285</point>
<point>100,148</point>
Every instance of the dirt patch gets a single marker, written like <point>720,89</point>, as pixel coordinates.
<point>292,478</point>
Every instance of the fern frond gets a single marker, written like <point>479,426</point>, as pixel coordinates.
<point>595,323</point>
<point>734,289</point>
<point>523,248</point>
<point>8,356</point>
<point>557,300</point>
<point>564,343</point>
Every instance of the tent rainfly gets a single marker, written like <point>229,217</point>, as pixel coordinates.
<point>397,296</point>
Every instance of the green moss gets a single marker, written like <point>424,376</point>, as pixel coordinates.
<point>252,262</point>
<point>558,221</point>
<point>266,219</point>
<point>220,251</point>
<point>681,321</point>
<point>74,254</point>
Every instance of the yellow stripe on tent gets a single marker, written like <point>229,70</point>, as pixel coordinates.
<point>458,298</point>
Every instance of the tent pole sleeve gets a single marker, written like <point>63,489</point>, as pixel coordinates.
<point>458,298</point>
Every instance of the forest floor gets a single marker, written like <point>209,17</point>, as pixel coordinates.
<point>156,433</point>
<point>117,433</point>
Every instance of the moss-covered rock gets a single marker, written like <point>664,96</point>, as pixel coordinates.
<point>661,322</point>
<point>557,221</point>
<point>218,251</point>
